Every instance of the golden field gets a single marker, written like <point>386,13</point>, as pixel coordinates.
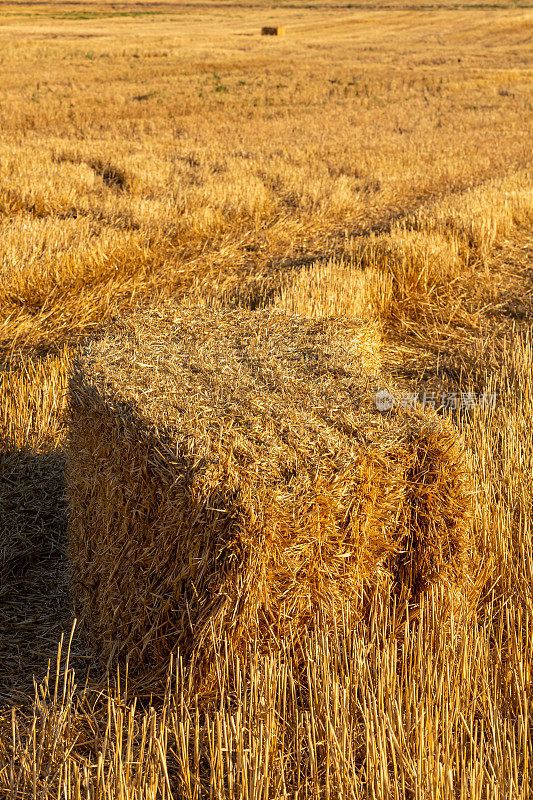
<point>372,163</point>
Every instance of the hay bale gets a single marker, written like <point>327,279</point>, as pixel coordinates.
<point>278,30</point>
<point>229,474</point>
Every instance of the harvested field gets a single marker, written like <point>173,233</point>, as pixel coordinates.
<point>373,164</point>
<point>238,463</point>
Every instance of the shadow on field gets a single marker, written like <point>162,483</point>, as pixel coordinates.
<point>35,607</point>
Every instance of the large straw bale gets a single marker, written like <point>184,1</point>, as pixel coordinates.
<point>229,475</point>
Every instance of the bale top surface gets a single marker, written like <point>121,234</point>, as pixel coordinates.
<point>188,368</point>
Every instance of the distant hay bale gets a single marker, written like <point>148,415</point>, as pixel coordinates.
<point>229,475</point>
<point>268,30</point>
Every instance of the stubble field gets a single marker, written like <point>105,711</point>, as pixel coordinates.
<point>373,163</point>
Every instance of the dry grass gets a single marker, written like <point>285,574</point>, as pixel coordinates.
<point>115,191</point>
<point>34,397</point>
<point>372,164</point>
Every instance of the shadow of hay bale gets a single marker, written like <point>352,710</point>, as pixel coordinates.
<point>35,606</point>
<point>229,476</point>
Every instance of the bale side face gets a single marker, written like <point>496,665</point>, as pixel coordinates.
<point>228,475</point>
